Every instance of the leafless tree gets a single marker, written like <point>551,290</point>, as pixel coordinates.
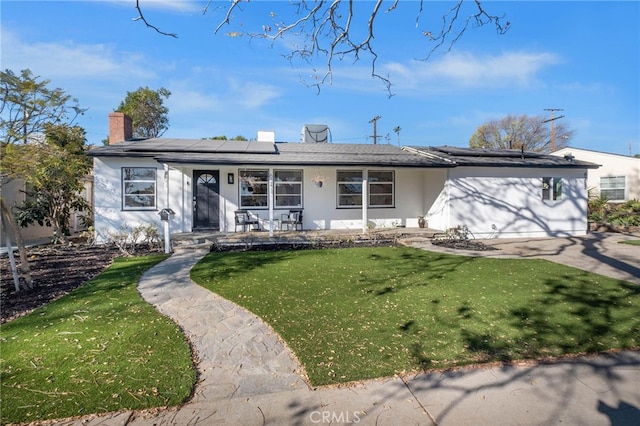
<point>521,132</point>
<point>332,29</point>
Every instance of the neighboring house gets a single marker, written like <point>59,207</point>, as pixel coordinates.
<point>617,178</point>
<point>14,193</point>
<point>494,193</point>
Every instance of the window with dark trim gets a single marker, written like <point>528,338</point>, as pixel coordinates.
<point>254,187</point>
<point>139,188</point>
<point>551,188</point>
<point>349,188</point>
<point>288,188</point>
<point>381,188</point>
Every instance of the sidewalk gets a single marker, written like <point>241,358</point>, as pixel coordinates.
<point>249,377</point>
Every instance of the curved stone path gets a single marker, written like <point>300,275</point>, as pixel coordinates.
<point>237,353</point>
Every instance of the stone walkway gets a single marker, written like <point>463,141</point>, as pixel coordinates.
<point>238,354</point>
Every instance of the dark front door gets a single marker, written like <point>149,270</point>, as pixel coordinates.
<point>206,200</point>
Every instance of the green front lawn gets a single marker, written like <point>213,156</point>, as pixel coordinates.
<point>352,314</point>
<point>631,242</point>
<point>100,348</point>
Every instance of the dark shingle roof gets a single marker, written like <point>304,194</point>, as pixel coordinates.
<point>167,145</point>
<point>480,157</point>
<point>197,151</point>
<point>251,152</point>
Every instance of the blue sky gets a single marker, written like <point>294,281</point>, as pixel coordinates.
<point>581,56</point>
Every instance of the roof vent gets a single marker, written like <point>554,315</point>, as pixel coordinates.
<point>266,136</point>
<point>315,133</point>
<point>569,157</point>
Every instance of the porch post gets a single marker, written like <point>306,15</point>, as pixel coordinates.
<point>365,197</point>
<point>270,192</point>
<point>167,231</point>
<point>166,182</point>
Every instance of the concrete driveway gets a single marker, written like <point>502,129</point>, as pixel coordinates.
<point>601,253</point>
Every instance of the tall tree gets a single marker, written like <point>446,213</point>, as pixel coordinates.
<point>147,111</point>
<point>27,106</point>
<point>55,172</point>
<point>344,29</point>
<point>521,132</point>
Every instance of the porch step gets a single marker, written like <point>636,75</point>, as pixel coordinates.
<point>260,240</point>
<point>192,243</point>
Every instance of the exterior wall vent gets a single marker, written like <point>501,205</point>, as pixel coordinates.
<point>315,133</point>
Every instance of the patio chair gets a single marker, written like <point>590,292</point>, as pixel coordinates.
<point>246,219</point>
<point>291,219</point>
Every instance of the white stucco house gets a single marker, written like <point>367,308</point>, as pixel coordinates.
<point>617,178</point>
<point>337,186</point>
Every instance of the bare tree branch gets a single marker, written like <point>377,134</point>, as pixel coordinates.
<point>450,18</point>
<point>328,28</point>
<point>143,19</point>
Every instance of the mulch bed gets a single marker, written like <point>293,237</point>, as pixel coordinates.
<point>462,244</point>
<point>56,270</point>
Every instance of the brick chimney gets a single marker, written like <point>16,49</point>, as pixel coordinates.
<point>120,127</point>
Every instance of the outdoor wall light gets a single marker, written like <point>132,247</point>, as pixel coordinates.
<point>230,178</point>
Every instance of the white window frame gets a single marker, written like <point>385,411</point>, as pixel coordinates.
<point>612,185</point>
<point>128,195</point>
<point>282,196</point>
<point>552,188</point>
<point>250,180</point>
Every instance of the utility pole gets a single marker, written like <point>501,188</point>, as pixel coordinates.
<point>374,120</point>
<point>553,129</point>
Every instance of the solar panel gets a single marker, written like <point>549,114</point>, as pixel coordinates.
<point>200,145</point>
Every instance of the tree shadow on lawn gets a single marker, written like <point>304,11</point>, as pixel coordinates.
<point>225,265</point>
<point>572,316</point>
<point>431,266</point>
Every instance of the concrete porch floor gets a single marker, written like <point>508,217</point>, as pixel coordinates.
<point>247,239</point>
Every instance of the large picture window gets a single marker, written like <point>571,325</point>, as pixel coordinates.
<point>381,185</point>
<point>139,188</point>
<point>612,187</point>
<point>551,188</point>
<point>254,186</point>
<point>288,188</point>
